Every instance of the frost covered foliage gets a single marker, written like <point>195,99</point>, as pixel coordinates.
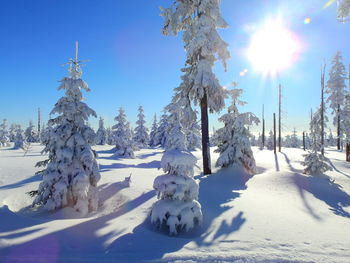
<point>19,139</point>
<point>336,88</point>
<point>162,130</point>
<point>292,141</point>
<point>315,163</point>
<point>153,138</point>
<point>12,132</point>
<point>141,137</point>
<point>101,134</point>
<point>343,9</point>
<point>199,21</point>
<point>110,137</point>
<point>4,134</point>
<point>345,120</point>
<point>31,133</point>
<point>122,136</point>
<point>71,174</point>
<point>177,207</point>
<point>193,136</point>
<point>234,144</point>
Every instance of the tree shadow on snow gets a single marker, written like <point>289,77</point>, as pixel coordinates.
<point>322,189</point>
<point>31,179</point>
<point>146,155</point>
<point>84,239</point>
<point>109,167</point>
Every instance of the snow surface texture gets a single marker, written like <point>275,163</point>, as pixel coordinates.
<point>71,172</point>
<point>277,216</point>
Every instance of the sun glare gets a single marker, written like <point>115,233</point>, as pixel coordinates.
<point>273,48</point>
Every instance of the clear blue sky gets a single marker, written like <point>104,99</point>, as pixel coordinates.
<point>132,64</point>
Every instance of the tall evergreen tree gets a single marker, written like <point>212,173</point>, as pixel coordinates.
<point>234,144</point>
<point>336,89</point>
<point>153,138</point>
<point>162,130</point>
<point>71,174</point>
<point>122,136</point>
<point>199,21</point>
<point>141,137</point>
<point>101,134</point>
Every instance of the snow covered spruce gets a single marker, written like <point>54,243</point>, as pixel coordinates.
<point>315,163</point>
<point>4,134</point>
<point>141,137</point>
<point>101,134</point>
<point>233,139</point>
<point>71,172</point>
<point>178,208</point>
<point>122,136</point>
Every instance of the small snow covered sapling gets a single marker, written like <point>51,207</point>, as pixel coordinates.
<point>71,171</point>
<point>233,139</point>
<point>315,163</point>
<point>177,190</point>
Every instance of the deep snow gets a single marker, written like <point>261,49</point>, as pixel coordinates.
<point>277,215</point>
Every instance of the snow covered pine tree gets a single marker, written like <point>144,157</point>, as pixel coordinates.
<point>4,134</point>
<point>31,133</point>
<point>71,173</point>
<point>122,136</point>
<point>178,207</point>
<point>101,134</point>
<point>315,163</point>
<point>141,137</point>
<point>234,144</point>
<point>153,140</point>
<point>19,138</point>
<point>200,20</point>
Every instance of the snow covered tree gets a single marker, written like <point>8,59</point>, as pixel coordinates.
<point>110,136</point>
<point>19,139</point>
<point>234,144</point>
<point>31,133</point>
<point>141,137</point>
<point>199,21</point>
<point>336,89</point>
<point>330,139</point>
<point>343,9</point>
<point>345,123</point>
<point>71,174</point>
<point>12,132</point>
<point>153,140</point>
<point>178,207</point>
<point>122,136</point>
<point>294,140</point>
<point>315,163</point>
<point>162,130</point>
<point>269,142</point>
<point>101,134</point>
<point>193,136</point>
<point>4,134</point>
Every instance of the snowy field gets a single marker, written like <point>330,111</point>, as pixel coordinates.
<point>278,215</point>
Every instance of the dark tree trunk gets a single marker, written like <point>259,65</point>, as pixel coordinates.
<point>274,133</point>
<point>348,152</point>
<point>338,128</point>
<point>205,135</point>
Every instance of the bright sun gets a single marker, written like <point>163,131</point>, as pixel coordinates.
<point>273,48</point>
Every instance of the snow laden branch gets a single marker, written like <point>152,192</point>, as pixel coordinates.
<point>71,174</point>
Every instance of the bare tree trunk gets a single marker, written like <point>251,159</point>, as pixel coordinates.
<point>205,135</point>
<point>338,127</point>
<point>348,152</point>
<point>263,128</point>
<point>274,133</point>
<point>279,119</point>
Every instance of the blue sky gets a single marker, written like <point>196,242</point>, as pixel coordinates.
<point>132,64</point>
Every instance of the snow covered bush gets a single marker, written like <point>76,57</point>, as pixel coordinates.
<point>141,137</point>
<point>234,144</point>
<point>122,136</point>
<point>4,134</point>
<point>315,163</point>
<point>178,208</point>
<point>101,134</point>
<point>71,174</point>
